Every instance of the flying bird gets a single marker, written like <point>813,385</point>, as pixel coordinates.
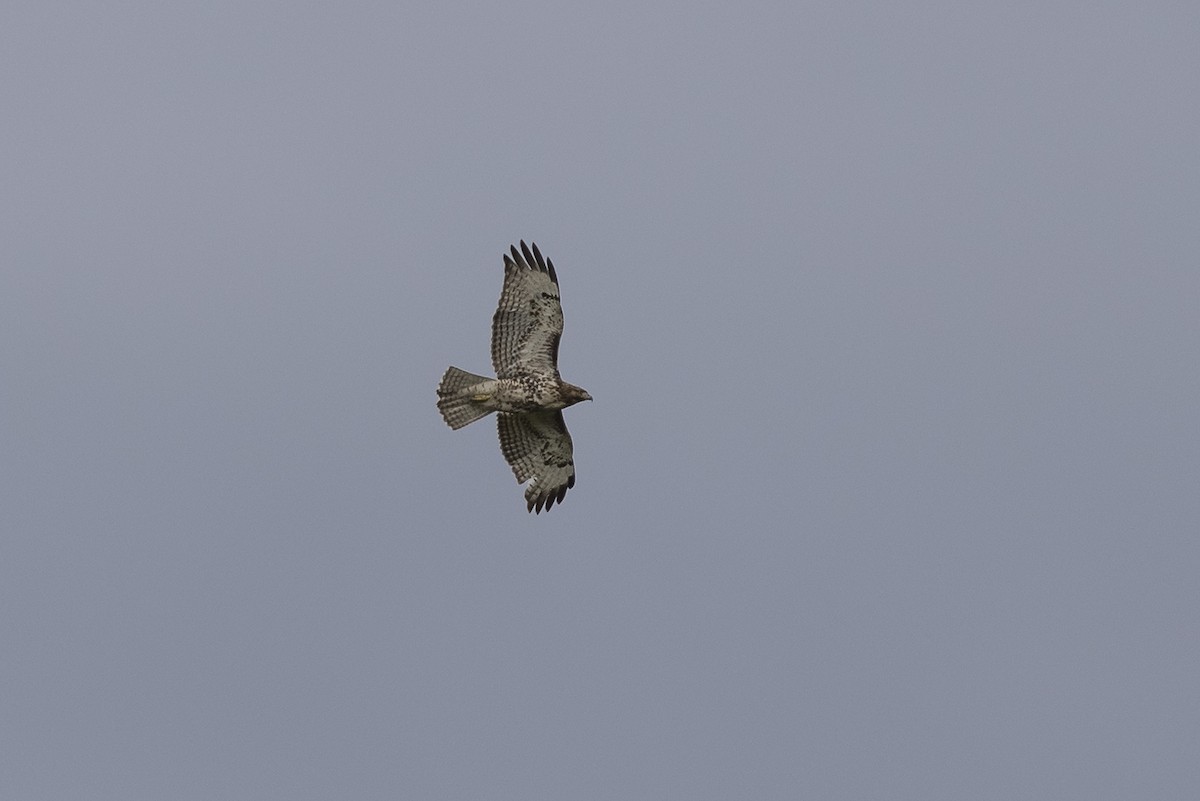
<point>527,394</point>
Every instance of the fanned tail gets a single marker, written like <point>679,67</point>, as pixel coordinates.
<point>459,410</point>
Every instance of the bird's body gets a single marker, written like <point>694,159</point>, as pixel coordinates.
<point>527,393</point>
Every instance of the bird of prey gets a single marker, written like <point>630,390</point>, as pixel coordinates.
<point>527,394</point>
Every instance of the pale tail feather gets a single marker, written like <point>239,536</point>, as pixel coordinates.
<point>459,411</point>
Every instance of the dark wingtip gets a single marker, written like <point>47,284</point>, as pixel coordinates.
<point>529,259</point>
<point>546,501</point>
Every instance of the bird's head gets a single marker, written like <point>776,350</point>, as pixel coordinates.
<point>573,394</point>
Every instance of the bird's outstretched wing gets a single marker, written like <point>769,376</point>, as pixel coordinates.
<point>528,323</point>
<point>538,447</point>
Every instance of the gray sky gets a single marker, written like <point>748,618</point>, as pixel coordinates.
<point>889,490</point>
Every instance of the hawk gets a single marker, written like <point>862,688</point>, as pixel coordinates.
<point>527,394</point>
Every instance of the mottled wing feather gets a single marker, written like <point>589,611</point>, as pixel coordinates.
<point>538,447</point>
<point>528,323</point>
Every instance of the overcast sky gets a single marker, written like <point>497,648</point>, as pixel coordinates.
<point>891,312</point>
